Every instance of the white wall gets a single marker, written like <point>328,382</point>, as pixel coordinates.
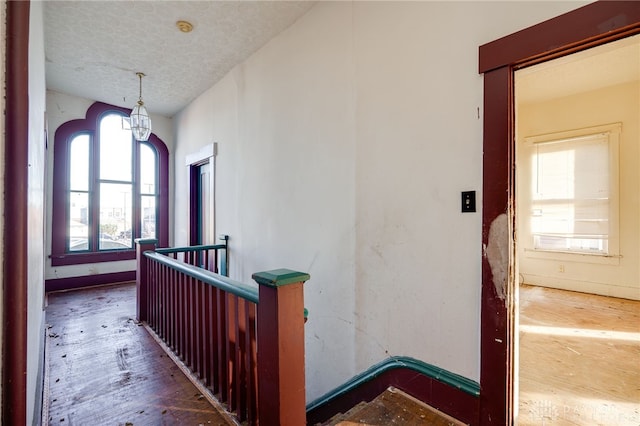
<point>35,215</point>
<point>619,277</point>
<point>344,145</point>
<point>60,109</point>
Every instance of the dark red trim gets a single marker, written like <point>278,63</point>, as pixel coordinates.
<point>448,399</point>
<point>495,319</point>
<point>95,257</point>
<point>16,152</point>
<point>63,135</point>
<point>455,402</point>
<point>563,34</point>
<point>73,283</point>
<point>586,27</point>
<point>194,196</point>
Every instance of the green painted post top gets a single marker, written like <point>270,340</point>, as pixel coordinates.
<point>279,277</point>
<point>145,241</point>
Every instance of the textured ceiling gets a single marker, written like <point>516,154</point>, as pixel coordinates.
<point>607,65</point>
<point>94,48</point>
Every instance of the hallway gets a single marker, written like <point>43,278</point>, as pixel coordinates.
<point>103,368</point>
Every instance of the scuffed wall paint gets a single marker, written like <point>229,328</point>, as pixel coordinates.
<point>343,148</point>
<point>497,253</point>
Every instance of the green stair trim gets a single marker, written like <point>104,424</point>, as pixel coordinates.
<point>464,384</point>
<point>279,277</point>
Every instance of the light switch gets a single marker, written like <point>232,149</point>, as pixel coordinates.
<point>468,201</point>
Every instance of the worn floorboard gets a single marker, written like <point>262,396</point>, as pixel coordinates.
<point>394,407</point>
<point>105,369</point>
<point>579,359</point>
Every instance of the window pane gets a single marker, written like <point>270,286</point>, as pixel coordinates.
<point>147,169</point>
<point>115,149</point>
<point>79,163</point>
<point>116,213</point>
<point>78,238</point>
<point>570,186</point>
<point>148,217</point>
<point>571,169</point>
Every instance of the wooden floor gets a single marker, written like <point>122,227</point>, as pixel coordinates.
<point>394,407</point>
<point>105,369</point>
<point>579,359</point>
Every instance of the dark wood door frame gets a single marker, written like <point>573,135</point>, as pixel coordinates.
<point>586,27</point>
<point>194,204</point>
<point>195,200</point>
<point>194,161</point>
<point>14,265</point>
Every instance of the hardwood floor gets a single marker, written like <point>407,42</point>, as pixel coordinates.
<point>579,359</point>
<point>394,407</point>
<point>106,369</point>
<point>579,363</point>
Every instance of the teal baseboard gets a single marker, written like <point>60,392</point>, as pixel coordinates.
<point>450,393</point>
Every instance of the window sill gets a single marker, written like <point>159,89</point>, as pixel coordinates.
<point>602,259</point>
<point>94,257</point>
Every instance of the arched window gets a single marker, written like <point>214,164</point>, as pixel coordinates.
<point>108,189</point>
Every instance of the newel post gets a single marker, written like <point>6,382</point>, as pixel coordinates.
<point>280,342</point>
<point>142,245</point>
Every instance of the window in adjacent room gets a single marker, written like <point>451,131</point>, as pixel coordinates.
<point>574,191</point>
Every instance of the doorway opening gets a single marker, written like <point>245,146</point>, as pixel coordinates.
<point>589,26</point>
<point>201,203</point>
<point>202,210</point>
<point>577,237</point>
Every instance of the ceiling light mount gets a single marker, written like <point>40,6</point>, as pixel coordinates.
<point>184,26</point>
<point>139,118</point>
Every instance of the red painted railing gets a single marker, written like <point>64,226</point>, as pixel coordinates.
<point>215,325</point>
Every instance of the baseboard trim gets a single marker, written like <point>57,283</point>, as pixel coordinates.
<point>602,289</point>
<point>448,392</point>
<point>45,380</point>
<point>73,283</point>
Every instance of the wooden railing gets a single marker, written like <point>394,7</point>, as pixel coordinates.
<point>214,258</point>
<point>245,343</point>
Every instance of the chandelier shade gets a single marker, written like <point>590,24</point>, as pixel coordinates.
<point>139,118</point>
<point>140,122</point>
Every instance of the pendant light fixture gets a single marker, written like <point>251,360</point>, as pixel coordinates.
<point>140,121</point>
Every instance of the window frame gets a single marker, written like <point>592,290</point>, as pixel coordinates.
<point>60,214</point>
<point>613,131</point>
